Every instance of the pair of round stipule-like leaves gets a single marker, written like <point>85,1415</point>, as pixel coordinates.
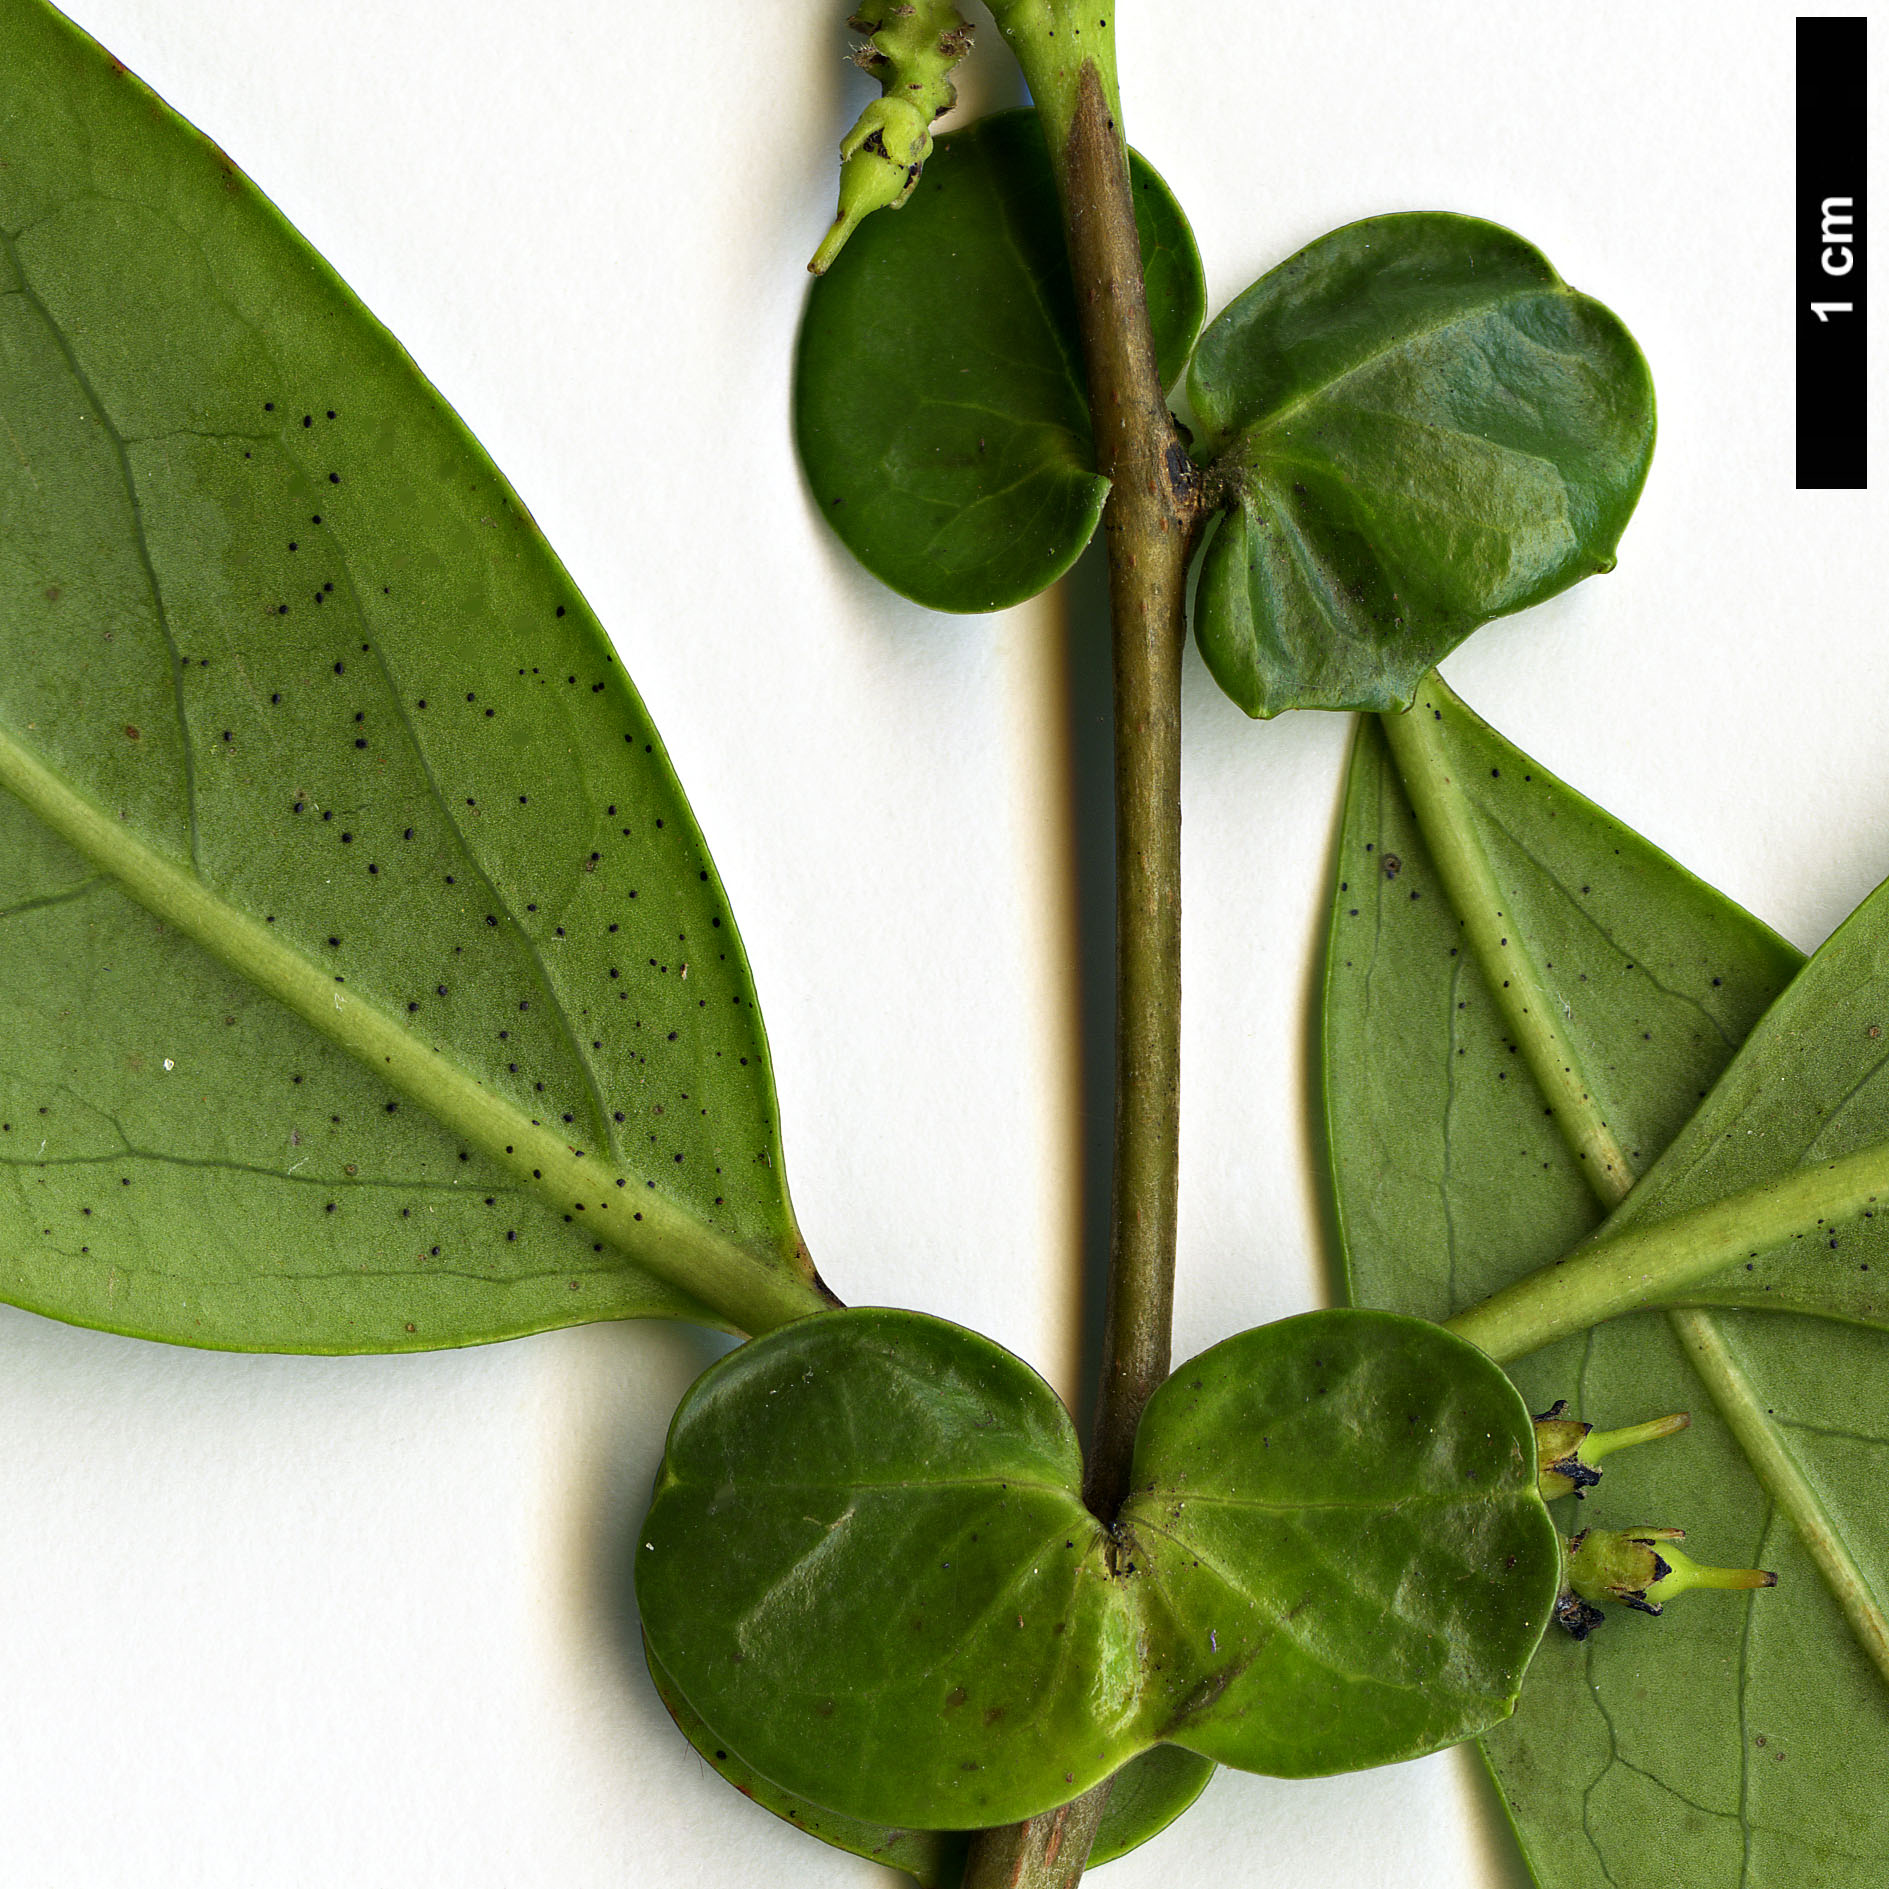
<point>1416,425</point>
<point>868,1569</point>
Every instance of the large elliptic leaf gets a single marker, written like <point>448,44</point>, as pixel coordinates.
<point>366,983</point>
<point>1149,1792</point>
<point>940,400</point>
<point>869,1571</point>
<point>1732,1740</point>
<point>1422,427</point>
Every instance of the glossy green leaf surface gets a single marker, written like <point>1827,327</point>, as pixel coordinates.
<point>940,401</point>
<point>1733,1739</point>
<point>1344,1509</point>
<point>1148,1794</point>
<point>365,980</point>
<point>868,1568</point>
<point>1424,428</point>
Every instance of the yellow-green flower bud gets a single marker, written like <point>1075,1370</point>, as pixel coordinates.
<point>1639,1567</point>
<point>1567,1450</point>
<point>911,47</point>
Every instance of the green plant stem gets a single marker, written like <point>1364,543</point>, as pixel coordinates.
<point>1148,526</point>
<point>752,1292</point>
<point>1148,529</point>
<point>1061,45</point>
<point>1529,1010</point>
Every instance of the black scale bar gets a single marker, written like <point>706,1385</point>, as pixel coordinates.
<point>1832,275</point>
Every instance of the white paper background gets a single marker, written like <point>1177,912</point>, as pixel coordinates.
<point>322,1622</point>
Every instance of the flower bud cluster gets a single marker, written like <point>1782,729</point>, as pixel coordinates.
<point>911,47</point>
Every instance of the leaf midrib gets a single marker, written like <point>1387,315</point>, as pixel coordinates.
<point>748,1289</point>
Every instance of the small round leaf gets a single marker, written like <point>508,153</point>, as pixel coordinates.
<point>1341,1518</point>
<point>1423,428</point>
<point>940,401</point>
<point>853,1515</point>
